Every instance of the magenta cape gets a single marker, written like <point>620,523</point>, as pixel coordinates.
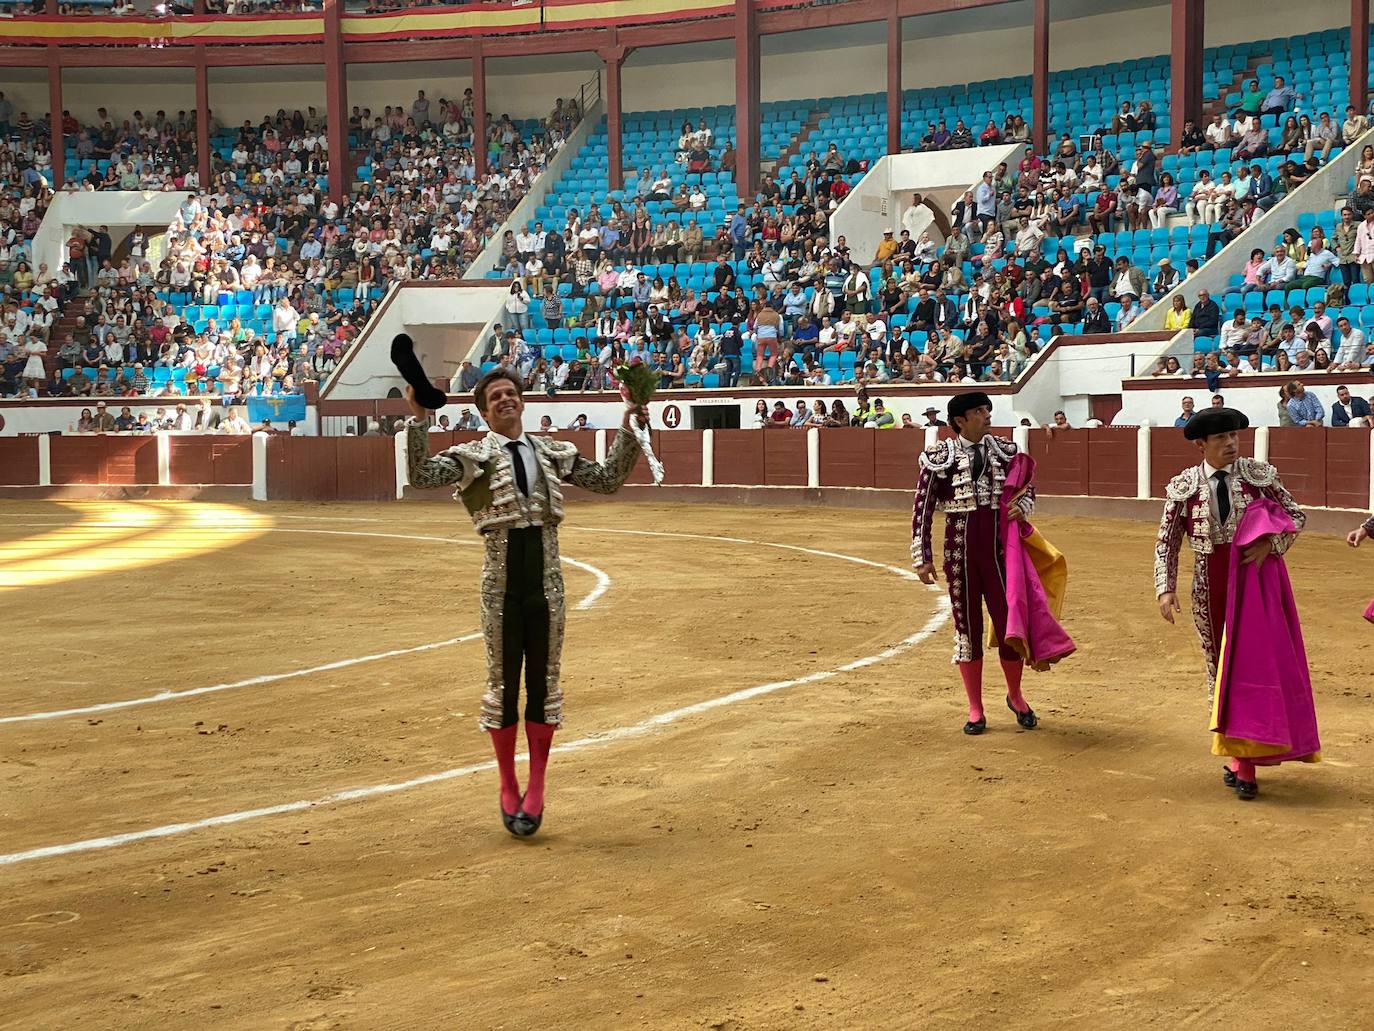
<point>1032,604</point>
<point>1262,708</point>
<point>1369,612</point>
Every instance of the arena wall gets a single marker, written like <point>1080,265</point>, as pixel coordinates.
<point>1324,468</point>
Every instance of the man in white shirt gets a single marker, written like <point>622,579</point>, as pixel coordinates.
<point>1350,355</point>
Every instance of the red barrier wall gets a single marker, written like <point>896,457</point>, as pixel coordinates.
<point>1061,461</point>
<point>227,460</point>
<point>331,468</point>
<point>739,456</point>
<point>1112,461</point>
<point>1300,454</point>
<point>1170,454</point>
<point>119,461</point>
<point>1347,468</point>
<point>784,458</point>
<point>896,458</point>
<point>18,461</point>
<point>680,453</point>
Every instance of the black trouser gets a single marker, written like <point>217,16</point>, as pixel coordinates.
<point>524,627</point>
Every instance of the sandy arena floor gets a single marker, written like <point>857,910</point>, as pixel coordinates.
<point>828,852</point>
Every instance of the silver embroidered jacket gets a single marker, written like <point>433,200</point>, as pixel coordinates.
<point>946,484</point>
<point>485,477</point>
<point>1188,513</point>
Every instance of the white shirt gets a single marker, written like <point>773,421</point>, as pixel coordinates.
<point>526,456</point>
<point>1208,471</point>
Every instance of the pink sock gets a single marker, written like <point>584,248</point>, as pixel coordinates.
<point>972,675</point>
<point>1235,765</point>
<point>503,741</point>
<point>1245,770</point>
<point>1012,671</point>
<point>540,737</point>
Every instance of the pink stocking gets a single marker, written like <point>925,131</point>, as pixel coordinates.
<point>540,736</point>
<point>972,675</point>
<point>1012,671</point>
<point>1245,769</point>
<point>503,741</point>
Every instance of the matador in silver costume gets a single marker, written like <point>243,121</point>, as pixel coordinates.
<point>511,485</point>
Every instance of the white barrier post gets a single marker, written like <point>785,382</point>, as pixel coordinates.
<point>708,458</point>
<point>1020,436</point>
<point>932,436</point>
<point>44,460</point>
<point>1262,444</point>
<point>164,460</point>
<point>402,471</point>
<point>259,467</point>
<point>813,457</point>
<point>1142,461</point>
<point>601,445</point>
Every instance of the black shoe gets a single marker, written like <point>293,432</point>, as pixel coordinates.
<point>508,819</point>
<point>523,825</point>
<point>1025,719</point>
<point>1228,776</point>
<point>975,727</point>
<point>1247,790</point>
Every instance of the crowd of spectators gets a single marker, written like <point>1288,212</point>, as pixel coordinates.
<point>299,272</point>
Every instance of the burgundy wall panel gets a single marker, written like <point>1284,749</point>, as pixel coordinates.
<point>233,460</point>
<point>1347,468</point>
<point>680,453</point>
<point>366,468</point>
<point>192,459</point>
<point>739,456</point>
<point>896,458</point>
<point>784,458</point>
<point>847,456</point>
<point>18,461</point>
<point>1300,455</point>
<point>1112,461</point>
<point>1061,461</point>
<point>77,459</point>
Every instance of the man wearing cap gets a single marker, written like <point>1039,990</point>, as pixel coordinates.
<point>1205,504</point>
<point>886,249</point>
<point>932,415</point>
<point>963,477</point>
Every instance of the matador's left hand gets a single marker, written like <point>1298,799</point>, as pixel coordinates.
<point>637,413</point>
<point>1257,551</point>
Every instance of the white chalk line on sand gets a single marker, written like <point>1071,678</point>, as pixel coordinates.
<point>644,727</point>
<point>603,583</point>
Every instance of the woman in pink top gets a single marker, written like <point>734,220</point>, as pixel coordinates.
<point>1252,271</point>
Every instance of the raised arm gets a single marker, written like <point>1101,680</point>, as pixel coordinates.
<point>441,470</point>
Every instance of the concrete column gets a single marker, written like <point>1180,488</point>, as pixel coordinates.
<point>813,457</point>
<point>894,81</point>
<point>1040,77</point>
<point>336,101</point>
<point>55,139</point>
<point>601,449</point>
<point>708,458</point>
<point>44,460</point>
<point>1359,53</point>
<point>164,460</point>
<point>615,153</point>
<point>747,128</point>
<point>479,112</point>
<point>1020,436</point>
<point>1185,65</point>
<point>202,118</point>
<point>402,470</point>
<point>259,491</point>
<point>1261,444</point>
<point>1142,461</point>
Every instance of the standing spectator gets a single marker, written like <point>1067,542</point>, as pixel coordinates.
<point>1364,246</point>
<point>1304,408</point>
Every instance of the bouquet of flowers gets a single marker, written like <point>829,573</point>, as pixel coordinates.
<point>638,384</point>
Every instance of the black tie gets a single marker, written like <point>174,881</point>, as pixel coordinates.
<point>1223,495</point>
<point>522,479</point>
<point>976,462</point>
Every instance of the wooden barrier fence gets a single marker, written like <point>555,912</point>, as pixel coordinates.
<point>1327,467</point>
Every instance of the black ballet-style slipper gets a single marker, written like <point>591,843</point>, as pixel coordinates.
<point>1228,776</point>
<point>427,395</point>
<point>975,727</point>
<point>508,819</point>
<point>1026,719</point>
<point>523,825</point>
<point>1247,790</point>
